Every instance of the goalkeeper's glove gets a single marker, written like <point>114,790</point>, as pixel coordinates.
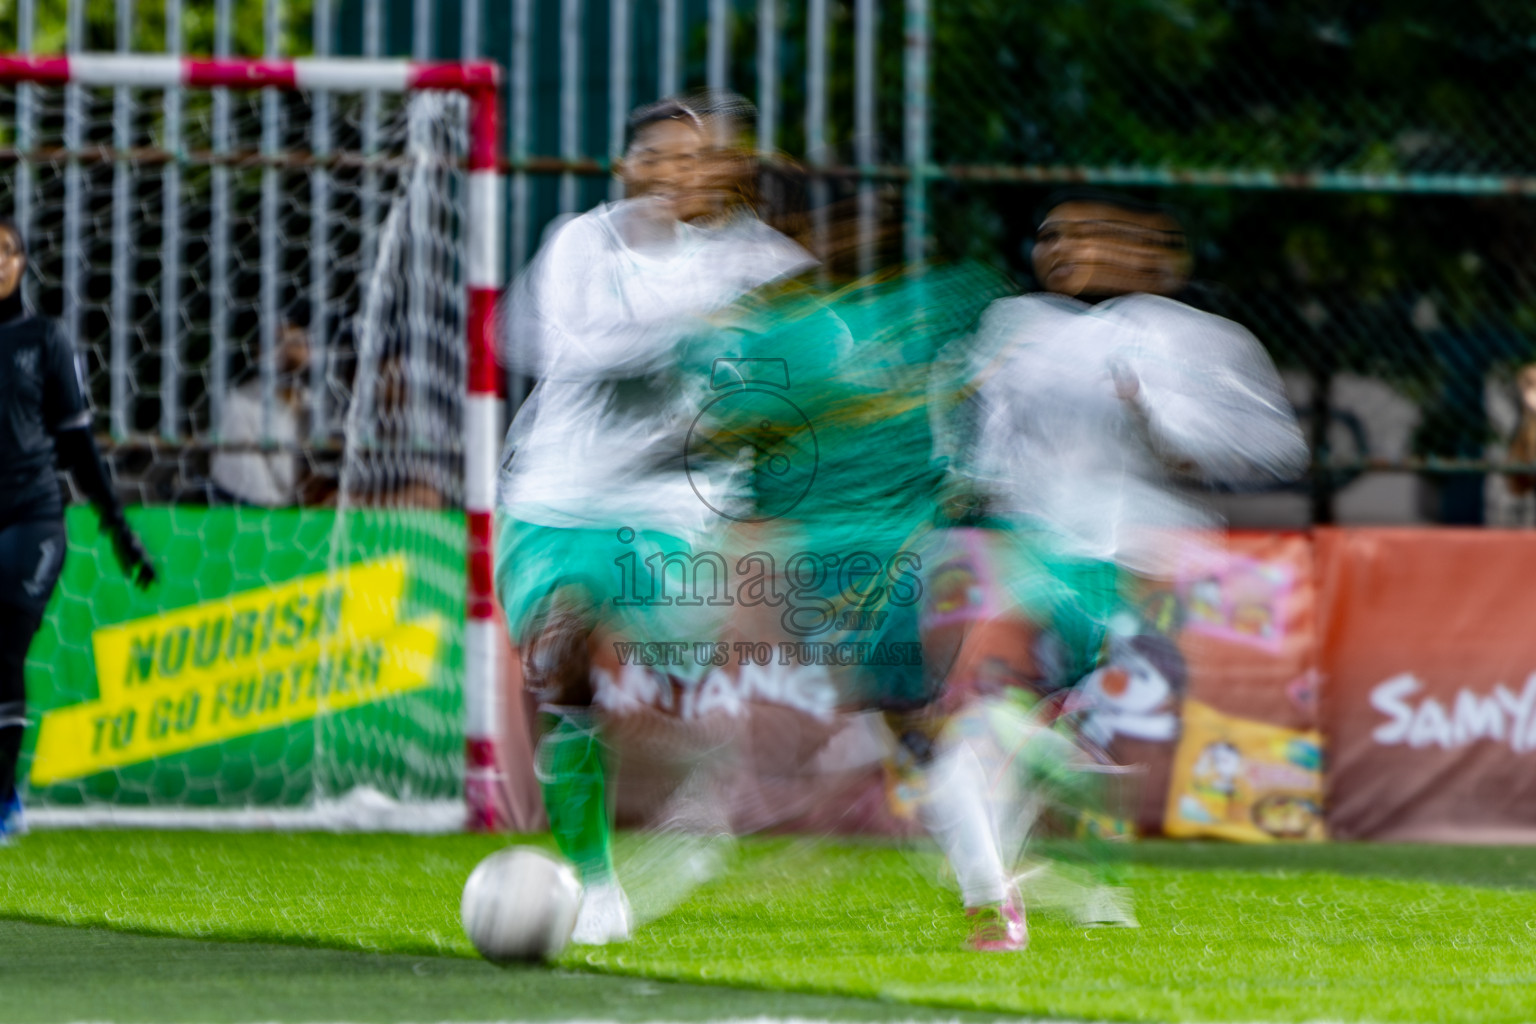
<point>77,453</point>
<point>131,555</point>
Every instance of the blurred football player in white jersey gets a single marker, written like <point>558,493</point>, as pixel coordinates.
<point>594,472</point>
<point>1103,384</point>
<point>1090,398</point>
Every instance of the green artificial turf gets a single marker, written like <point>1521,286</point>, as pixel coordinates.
<point>56,975</point>
<point>1229,933</point>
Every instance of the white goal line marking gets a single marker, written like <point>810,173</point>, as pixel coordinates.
<point>360,810</point>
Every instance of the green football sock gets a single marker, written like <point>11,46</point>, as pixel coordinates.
<point>571,776</point>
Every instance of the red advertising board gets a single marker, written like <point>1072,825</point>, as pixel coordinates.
<point>1429,693</point>
<point>1407,655</point>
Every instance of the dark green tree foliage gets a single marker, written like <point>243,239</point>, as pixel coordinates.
<point>1429,86</point>
<point>148,36</point>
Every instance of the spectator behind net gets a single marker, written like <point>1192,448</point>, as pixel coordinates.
<point>274,478</point>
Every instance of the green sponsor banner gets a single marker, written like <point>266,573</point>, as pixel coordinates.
<point>283,654</point>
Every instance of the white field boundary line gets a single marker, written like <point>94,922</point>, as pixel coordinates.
<point>754,1020</point>
<point>762,1020</point>
<point>851,1019</point>
<point>360,810</point>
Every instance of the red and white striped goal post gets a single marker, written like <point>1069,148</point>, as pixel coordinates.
<point>480,82</point>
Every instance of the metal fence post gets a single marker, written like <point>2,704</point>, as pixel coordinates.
<point>570,99</point>
<point>218,244</point>
<point>670,78</point>
<point>915,100</point>
<point>120,416</point>
<point>618,88</point>
<point>767,75</point>
<point>718,75</point>
<point>319,238</point>
<point>816,40</point>
<point>865,143</point>
<point>520,89</point>
<point>170,245</point>
<point>26,19</point>
<point>74,116</point>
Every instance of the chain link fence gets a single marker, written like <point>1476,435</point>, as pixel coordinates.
<point>1359,181</point>
<point>1359,190</point>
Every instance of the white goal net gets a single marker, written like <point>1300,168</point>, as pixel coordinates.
<point>267,294</point>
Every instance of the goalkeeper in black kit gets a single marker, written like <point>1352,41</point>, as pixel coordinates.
<point>44,424</point>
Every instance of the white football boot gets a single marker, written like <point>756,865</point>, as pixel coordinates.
<point>604,916</point>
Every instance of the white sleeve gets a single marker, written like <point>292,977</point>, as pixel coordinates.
<point>968,391</point>
<point>568,316</point>
<point>753,254</point>
<point>1212,395</point>
<point>1009,362</point>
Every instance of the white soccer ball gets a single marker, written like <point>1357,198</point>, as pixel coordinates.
<point>520,904</point>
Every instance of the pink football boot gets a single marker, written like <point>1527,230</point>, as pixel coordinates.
<point>1000,927</point>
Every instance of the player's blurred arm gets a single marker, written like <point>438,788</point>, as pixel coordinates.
<point>1212,398</point>
<point>568,316</point>
<point>76,451</point>
<point>78,454</point>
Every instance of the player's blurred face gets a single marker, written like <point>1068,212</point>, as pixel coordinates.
<point>668,163</point>
<point>12,263</point>
<point>728,165</point>
<point>1095,249</point>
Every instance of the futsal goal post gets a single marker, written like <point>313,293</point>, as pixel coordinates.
<point>280,278</point>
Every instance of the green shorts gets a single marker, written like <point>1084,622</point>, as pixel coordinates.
<point>1072,600</point>
<point>626,582</point>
